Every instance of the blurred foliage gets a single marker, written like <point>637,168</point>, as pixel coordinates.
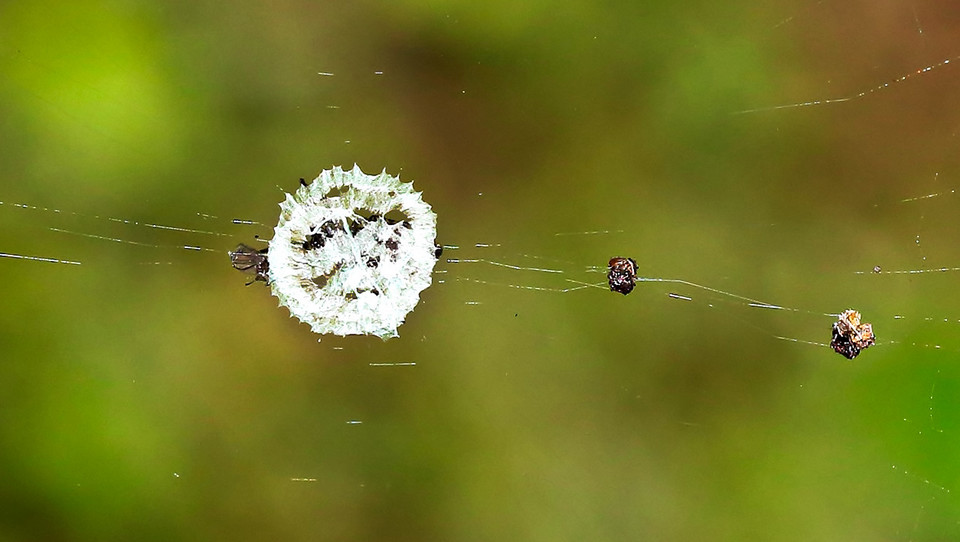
<point>148,394</point>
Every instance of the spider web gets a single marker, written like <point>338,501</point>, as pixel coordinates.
<point>757,202</point>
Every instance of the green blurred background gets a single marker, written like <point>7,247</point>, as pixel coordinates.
<point>147,394</point>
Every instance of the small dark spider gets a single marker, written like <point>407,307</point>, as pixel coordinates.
<point>622,275</point>
<point>313,242</point>
<point>250,260</point>
<point>319,236</point>
<point>850,336</point>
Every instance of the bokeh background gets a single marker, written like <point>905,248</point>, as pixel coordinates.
<point>147,394</point>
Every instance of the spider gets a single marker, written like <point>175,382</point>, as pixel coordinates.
<point>622,274</point>
<point>850,336</point>
<point>251,260</point>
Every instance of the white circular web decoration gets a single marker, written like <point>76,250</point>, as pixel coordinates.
<point>352,252</point>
